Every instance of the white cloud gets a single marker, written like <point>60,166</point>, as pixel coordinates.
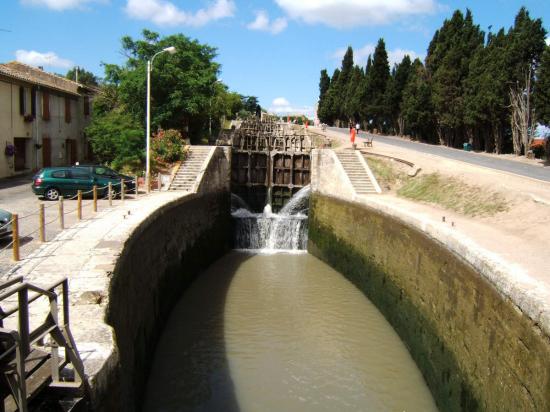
<point>59,5</point>
<point>361,55</point>
<point>281,106</point>
<point>548,40</point>
<point>165,13</point>
<point>263,23</point>
<point>352,13</point>
<point>35,58</point>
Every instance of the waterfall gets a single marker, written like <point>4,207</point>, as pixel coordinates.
<point>271,232</point>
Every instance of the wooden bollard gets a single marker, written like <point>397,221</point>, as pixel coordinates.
<point>159,182</point>
<point>110,193</point>
<point>122,190</point>
<point>61,213</point>
<point>41,223</point>
<point>15,236</point>
<point>94,191</point>
<point>79,205</point>
<point>137,187</point>
<point>148,183</point>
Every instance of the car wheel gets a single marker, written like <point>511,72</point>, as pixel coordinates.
<point>51,193</point>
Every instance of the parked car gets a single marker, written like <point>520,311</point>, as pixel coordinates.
<point>5,224</point>
<point>52,182</point>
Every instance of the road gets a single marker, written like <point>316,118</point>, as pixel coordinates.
<point>16,196</point>
<point>505,165</point>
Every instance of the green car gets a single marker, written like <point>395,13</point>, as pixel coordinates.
<point>5,224</point>
<point>53,182</point>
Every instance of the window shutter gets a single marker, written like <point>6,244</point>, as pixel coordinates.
<point>45,105</point>
<point>67,110</point>
<point>33,102</point>
<point>22,101</point>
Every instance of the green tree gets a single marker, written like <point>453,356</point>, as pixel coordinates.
<point>542,89</point>
<point>394,93</point>
<point>84,76</point>
<point>377,81</point>
<point>324,84</point>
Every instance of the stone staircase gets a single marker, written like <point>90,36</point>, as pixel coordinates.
<point>190,170</point>
<point>358,172</point>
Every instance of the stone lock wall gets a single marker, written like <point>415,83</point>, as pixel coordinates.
<point>475,348</point>
<point>157,263</point>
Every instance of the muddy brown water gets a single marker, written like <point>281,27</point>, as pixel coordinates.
<point>281,332</point>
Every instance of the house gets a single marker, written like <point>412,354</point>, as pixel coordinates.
<point>42,119</point>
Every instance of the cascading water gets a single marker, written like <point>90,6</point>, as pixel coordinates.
<point>271,232</point>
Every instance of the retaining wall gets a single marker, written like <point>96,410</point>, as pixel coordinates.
<point>474,345</point>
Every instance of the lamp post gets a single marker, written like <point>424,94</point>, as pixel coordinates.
<point>170,50</point>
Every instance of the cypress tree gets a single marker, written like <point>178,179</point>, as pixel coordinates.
<point>394,94</point>
<point>542,89</point>
<point>378,77</point>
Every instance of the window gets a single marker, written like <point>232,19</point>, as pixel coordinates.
<point>33,102</point>
<point>60,174</point>
<point>67,110</point>
<point>105,171</point>
<point>80,174</point>
<point>86,106</point>
<point>45,105</point>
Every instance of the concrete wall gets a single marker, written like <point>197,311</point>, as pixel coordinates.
<point>476,349</point>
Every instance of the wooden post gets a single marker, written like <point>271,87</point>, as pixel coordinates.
<point>61,213</point>
<point>41,223</point>
<point>137,187</point>
<point>122,190</point>
<point>79,205</point>
<point>110,192</point>
<point>95,197</point>
<point>159,182</point>
<point>148,183</point>
<point>15,236</point>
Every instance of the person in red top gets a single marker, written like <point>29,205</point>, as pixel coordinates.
<point>352,135</point>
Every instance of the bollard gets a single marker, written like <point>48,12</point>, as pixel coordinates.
<point>15,236</point>
<point>159,182</point>
<point>136,183</point>
<point>148,183</point>
<point>61,213</point>
<point>41,223</point>
<point>79,205</point>
<point>94,191</point>
<point>110,193</point>
<point>122,190</point>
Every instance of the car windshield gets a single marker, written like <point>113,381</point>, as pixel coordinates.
<point>105,171</point>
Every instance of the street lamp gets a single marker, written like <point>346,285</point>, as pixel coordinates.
<point>170,50</point>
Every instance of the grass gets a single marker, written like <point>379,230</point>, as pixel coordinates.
<point>453,194</point>
<point>447,192</point>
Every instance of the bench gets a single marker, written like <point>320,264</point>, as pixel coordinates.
<point>368,141</point>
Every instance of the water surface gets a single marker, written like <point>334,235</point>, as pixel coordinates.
<point>281,333</point>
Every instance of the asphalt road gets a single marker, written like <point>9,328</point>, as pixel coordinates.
<point>505,165</point>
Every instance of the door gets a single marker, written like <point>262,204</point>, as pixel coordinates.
<point>20,160</point>
<point>46,152</point>
<point>81,179</point>
<point>70,148</point>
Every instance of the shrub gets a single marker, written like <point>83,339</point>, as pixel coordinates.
<point>538,149</point>
<point>167,146</point>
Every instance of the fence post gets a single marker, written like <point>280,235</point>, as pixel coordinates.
<point>122,190</point>
<point>61,213</point>
<point>110,191</point>
<point>79,205</point>
<point>41,223</point>
<point>148,183</point>
<point>136,182</point>
<point>15,236</point>
<point>159,182</point>
<point>94,191</point>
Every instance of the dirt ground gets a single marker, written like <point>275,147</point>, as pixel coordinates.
<point>519,235</point>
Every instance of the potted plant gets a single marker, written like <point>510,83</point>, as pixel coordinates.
<point>9,150</point>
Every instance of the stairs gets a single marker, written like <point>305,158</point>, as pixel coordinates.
<point>359,174</point>
<point>186,177</point>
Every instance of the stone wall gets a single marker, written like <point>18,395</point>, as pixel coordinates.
<point>476,349</point>
<point>157,263</point>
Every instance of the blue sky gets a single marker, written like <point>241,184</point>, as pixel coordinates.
<point>271,49</point>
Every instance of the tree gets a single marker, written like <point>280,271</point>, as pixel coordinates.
<point>324,84</point>
<point>377,77</point>
<point>542,89</point>
<point>394,93</point>
<point>84,76</point>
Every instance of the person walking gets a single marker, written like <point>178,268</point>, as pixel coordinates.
<point>352,136</point>
<point>358,127</point>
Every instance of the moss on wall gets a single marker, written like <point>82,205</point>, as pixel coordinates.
<point>476,350</point>
<point>158,262</point>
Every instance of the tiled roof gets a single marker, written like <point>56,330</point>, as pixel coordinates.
<point>33,75</point>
